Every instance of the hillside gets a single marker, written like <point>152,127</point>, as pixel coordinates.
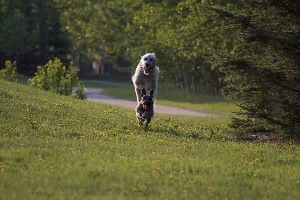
<point>27,110</point>
<point>56,147</point>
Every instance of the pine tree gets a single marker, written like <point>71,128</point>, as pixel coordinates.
<point>264,72</point>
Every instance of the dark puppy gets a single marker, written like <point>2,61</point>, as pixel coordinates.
<point>144,110</point>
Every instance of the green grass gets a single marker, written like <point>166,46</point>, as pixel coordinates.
<point>55,147</point>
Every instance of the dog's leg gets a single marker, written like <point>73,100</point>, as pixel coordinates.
<point>156,76</point>
<point>153,93</point>
<point>140,120</point>
<point>138,93</point>
<point>138,112</point>
<point>147,122</point>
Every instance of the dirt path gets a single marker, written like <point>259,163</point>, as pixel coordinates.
<point>95,95</point>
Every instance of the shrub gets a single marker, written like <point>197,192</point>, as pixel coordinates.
<point>54,76</point>
<point>9,72</point>
<point>80,91</point>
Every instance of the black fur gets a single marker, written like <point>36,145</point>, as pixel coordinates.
<point>144,110</point>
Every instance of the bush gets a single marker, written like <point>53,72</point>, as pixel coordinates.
<point>80,91</point>
<point>9,72</point>
<point>54,76</point>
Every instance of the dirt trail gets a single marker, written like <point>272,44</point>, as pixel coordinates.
<point>95,95</point>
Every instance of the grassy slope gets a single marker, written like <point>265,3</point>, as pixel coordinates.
<point>62,148</point>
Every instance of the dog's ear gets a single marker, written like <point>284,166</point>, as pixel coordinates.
<point>143,92</point>
<point>151,92</point>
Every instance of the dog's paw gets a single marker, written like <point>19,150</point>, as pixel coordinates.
<point>140,120</point>
<point>147,122</point>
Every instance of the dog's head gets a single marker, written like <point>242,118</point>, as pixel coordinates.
<point>147,99</point>
<point>148,62</point>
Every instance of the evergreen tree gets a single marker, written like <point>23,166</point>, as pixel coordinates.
<point>31,34</point>
<point>263,73</point>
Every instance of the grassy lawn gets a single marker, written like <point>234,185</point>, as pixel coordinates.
<point>56,147</point>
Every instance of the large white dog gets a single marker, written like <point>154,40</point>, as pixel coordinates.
<point>146,75</point>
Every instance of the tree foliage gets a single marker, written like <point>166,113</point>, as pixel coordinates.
<point>30,34</point>
<point>15,36</point>
<point>264,73</point>
<point>116,31</point>
<point>179,32</point>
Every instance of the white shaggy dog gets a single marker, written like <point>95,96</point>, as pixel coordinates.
<point>146,75</point>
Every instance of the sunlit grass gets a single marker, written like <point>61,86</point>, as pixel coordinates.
<point>56,147</point>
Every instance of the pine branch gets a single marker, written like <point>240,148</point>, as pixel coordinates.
<point>236,19</point>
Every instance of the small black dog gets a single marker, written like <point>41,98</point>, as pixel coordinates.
<point>144,110</point>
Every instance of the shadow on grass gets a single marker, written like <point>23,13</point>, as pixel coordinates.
<point>172,132</point>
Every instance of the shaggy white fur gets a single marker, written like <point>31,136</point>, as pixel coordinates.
<point>146,75</point>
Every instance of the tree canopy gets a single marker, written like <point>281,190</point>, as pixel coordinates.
<point>116,31</point>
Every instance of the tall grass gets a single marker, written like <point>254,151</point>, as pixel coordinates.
<point>56,147</point>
